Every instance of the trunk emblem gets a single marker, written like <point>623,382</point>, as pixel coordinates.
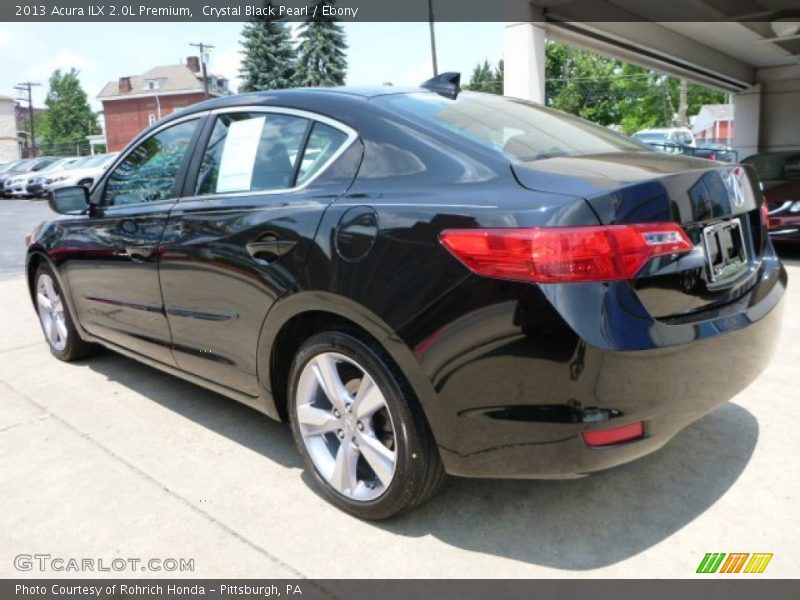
<point>733,185</point>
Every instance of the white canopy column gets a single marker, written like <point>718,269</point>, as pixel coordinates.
<point>524,61</point>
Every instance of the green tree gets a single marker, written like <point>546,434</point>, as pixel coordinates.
<point>268,62</point>
<point>581,83</point>
<point>486,79</point>
<point>68,119</point>
<point>604,90</point>
<point>321,59</point>
<point>611,92</point>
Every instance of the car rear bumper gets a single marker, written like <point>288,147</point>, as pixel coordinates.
<point>514,401</point>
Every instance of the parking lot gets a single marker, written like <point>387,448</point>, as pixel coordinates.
<point>108,458</point>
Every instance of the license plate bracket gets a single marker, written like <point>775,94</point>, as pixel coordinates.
<point>726,251</point>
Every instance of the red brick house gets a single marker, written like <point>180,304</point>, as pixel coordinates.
<point>136,101</point>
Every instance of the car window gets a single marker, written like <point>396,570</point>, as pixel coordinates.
<point>150,171</point>
<point>323,143</point>
<point>251,152</point>
<point>776,167</point>
<point>521,130</point>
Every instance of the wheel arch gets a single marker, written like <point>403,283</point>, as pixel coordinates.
<point>34,259</point>
<point>299,316</point>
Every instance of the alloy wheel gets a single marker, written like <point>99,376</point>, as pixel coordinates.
<point>51,312</point>
<point>346,426</point>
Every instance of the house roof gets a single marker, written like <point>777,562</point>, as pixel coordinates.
<point>175,78</point>
<point>710,114</point>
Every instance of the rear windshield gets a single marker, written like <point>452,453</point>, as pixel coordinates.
<point>782,166</point>
<point>521,130</point>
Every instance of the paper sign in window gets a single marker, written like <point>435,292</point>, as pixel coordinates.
<point>239,155</point>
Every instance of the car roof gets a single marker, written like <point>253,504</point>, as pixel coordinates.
<point>297,95</point>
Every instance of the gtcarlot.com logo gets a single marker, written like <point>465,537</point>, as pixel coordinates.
<point>734,562</point>
<point>58,564</point>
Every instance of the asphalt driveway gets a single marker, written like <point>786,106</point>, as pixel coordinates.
<point>108,458</point>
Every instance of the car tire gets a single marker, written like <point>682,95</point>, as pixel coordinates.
<point>56,320</point>
<point>377,458</point>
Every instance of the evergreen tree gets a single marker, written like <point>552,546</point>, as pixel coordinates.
<point>321,59</point>
<point>486,79</point>
<point>268,62</point>
<point>68,119</point>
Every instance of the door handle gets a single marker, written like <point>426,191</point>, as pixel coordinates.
<point>267,251</point>
<point>140,252</point>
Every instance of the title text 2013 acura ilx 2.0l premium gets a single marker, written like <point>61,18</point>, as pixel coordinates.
<point>421,282</point>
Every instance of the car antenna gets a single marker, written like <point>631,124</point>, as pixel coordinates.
<point>446,84</point>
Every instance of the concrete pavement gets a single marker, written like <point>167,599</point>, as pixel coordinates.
<point>108,458</point>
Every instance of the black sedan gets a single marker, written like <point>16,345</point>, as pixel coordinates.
<point>420,281</point>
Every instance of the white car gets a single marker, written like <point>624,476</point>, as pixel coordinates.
<point>17,181</point>
<point>666,138</point>
<point>85,173</point>
<point>34,183</point>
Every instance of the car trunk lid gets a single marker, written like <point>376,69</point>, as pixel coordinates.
<point>717,205</point>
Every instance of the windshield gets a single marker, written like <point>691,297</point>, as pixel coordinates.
<point>96,161</point>
<point>650,137</point>
<point>21,166</point>
<point>78,162</point>
<point>59,164</point>
<point>782,166</point>
<point>521,130</point>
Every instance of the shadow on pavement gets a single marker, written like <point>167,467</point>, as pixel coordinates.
<point>576,524</point>
<point>599,520</point>
<point>216,413</point>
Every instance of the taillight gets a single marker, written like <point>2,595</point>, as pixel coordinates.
<point>765,215</point>
<point>565,254</point>
<point>28,238</point>
<point>613,435</point>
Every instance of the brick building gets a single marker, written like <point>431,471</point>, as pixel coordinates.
<point>134,102</point>
<point>714,123</point>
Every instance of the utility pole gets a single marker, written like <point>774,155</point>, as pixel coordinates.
<point>25,88</point>
<point>683,104</point>
<point>433,38</point>
<point>204,48</point>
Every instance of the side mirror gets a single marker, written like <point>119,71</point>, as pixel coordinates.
<point>70,200</point>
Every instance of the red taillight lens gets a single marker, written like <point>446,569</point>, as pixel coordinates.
<point>765,214</point>
<point>564,254</point>
<point>615,435</point>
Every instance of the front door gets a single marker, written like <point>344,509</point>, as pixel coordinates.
<point>113,269</point>
<point>239,238</point>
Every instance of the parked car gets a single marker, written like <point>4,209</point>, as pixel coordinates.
<point>681,141</point>
<point>779,173</point>
<point>714,151</point>
<point>661,138</point>
<point>8,166</point>
<point>420,281</point>
<point>84,173</point>
<point>15,180</point>
<point>12,170</point>
<point>34,185</point>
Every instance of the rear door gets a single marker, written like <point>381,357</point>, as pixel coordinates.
<point>239,238</point>
<point>110,257</point>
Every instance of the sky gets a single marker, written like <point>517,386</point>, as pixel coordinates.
<point>102,52</point>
